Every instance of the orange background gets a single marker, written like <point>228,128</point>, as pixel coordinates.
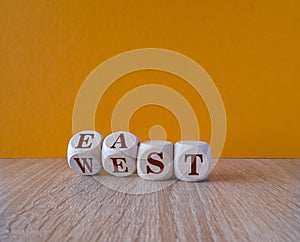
<point>251,49</point>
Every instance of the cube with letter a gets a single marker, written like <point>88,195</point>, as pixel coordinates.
<point>84,152</point>
<point>119,153</point>
<point>192,160</point>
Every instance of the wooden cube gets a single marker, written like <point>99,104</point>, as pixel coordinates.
<point>84,152</point>
<point>192,160</point>
<point>119,153</point>
<point>155,160</point>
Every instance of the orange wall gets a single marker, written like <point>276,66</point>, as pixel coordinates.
<point>251,49</point>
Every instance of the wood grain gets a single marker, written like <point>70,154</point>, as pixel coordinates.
<point>244,200</point>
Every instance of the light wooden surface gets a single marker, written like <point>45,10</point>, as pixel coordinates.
<point>244,200</point>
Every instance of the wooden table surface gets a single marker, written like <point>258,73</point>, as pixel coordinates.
<point>244,200</point>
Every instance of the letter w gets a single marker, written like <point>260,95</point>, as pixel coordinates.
<point>85,164</point>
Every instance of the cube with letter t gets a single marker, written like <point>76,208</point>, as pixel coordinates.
<point>192,160</point>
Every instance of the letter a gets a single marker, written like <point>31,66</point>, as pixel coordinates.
<point>120,140</point>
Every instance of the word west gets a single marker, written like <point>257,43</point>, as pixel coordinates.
<point>121,154</point>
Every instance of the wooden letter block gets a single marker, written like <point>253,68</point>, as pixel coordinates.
<point>84,152</point>
<point>119,153</point>
<point>155,160</point>
<point>192,160</point>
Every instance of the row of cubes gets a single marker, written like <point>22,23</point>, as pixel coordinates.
<point>121,154</point>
